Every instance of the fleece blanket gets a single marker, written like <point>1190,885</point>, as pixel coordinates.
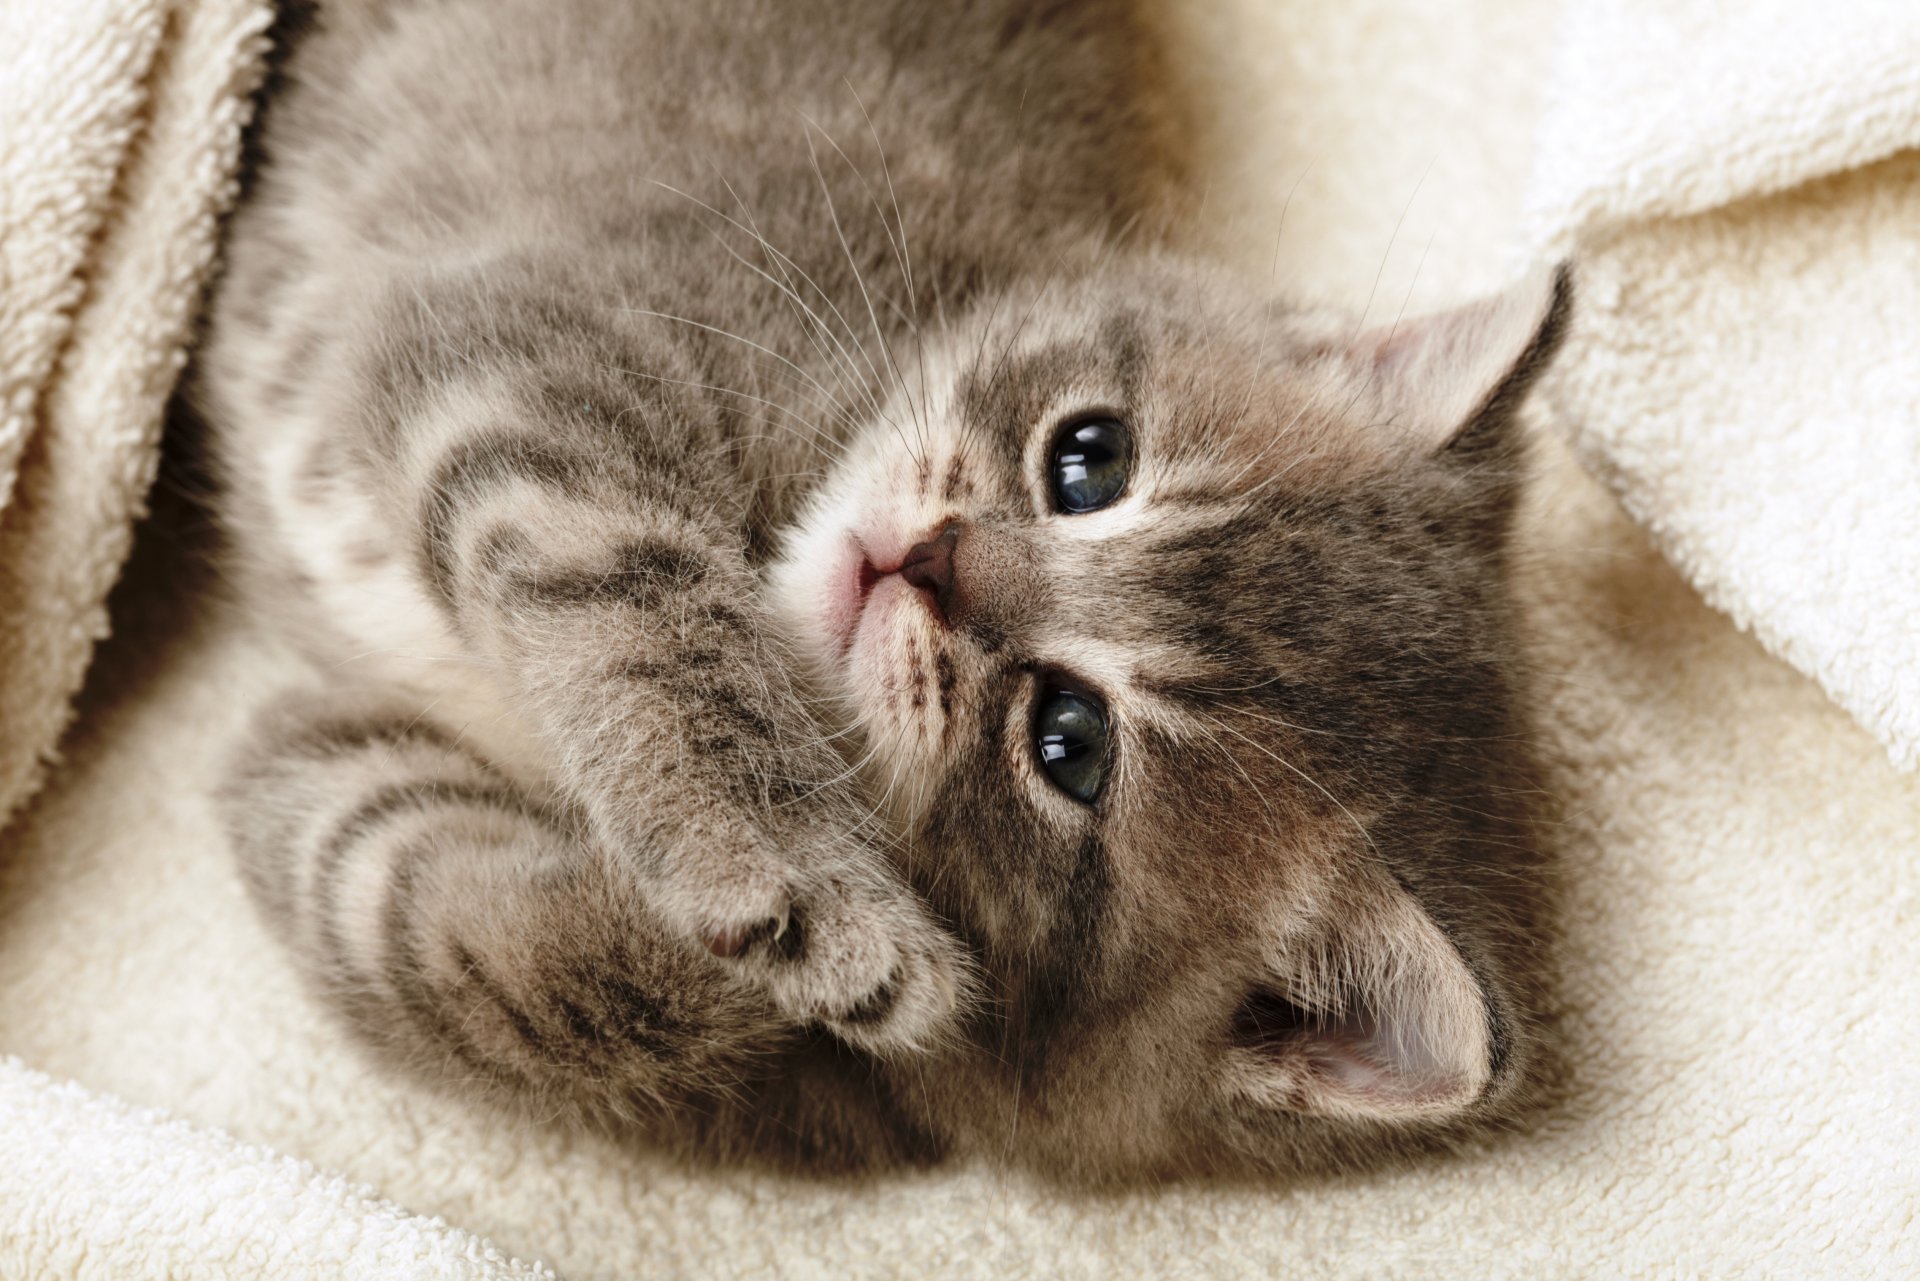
<point>1740,184</point>
<point>229,1208</point>
<point>120,124</point>
<point>1737,943</point>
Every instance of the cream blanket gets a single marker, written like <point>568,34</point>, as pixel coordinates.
<point>1740,183</point>
<point>1740,944</point>
<point>111,1192</point>
<point>120,126</point>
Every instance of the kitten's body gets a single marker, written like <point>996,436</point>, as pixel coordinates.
<point>567,352</point>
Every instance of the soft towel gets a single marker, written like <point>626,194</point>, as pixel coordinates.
<point>94,1189</point>
<point>1739,184</point>
<point>1739,934</point>
<point>120,131</point>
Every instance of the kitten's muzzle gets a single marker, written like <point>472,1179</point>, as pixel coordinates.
<point>928,566</point>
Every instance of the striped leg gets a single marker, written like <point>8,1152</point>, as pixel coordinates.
<point>461,925</point>
<point>584,531</point>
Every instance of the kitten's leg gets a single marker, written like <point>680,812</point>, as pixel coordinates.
<point>581,528</point>
<point>459,924</point>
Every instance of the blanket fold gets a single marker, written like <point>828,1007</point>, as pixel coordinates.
<point>93,1188</point>
<point>1738,185</point>
<point>120,133</point>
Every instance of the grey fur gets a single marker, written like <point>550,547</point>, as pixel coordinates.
<point>555,338</point>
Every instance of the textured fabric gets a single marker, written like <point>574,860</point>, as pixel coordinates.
<point>120,125</point>
<point>1739,184</point>
<point>93,1189</point>
<point>1739,933</point>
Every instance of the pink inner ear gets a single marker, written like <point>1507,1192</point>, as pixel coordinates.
<point>1378,1017</point>
<point>1435,371</point>
<point>1353,1055</point>
<point>1355,1062</point>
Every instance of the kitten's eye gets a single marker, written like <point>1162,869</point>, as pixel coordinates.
<point>1090,463</point>
<point>1070,733</point>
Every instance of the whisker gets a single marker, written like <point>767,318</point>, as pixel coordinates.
<point>903,253</point>
<point>727,333</point>
<point>1307,778</point>
<point>886,348</point>
<point>814,433</point>
<point>839,361</point>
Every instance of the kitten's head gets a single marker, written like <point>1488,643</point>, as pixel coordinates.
<point>1176,634</point>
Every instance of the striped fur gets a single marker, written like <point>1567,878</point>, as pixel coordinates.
<point>453,916</point>
<point>571,359</point>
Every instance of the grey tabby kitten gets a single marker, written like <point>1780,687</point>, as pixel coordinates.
<point>832,643</point>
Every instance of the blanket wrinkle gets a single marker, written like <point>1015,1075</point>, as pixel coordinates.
<point>94,1188</point>
<point>120,135</point>
<point>1738,185</point>
<point>120,131</point>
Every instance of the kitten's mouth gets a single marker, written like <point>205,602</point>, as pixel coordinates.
<point>852,582</point>
<point>862,576</point>
<point>863,580</point>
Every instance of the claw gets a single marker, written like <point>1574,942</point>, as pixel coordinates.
<point>732,941</point>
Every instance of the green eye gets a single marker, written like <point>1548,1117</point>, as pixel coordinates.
<point>1070,737</point>
<point>1090,463</point>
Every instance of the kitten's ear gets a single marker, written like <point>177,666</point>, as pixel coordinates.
<point>1376,1019</point>
<point>1456,377</point>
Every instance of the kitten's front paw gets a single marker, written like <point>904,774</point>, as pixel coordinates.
<point>832,935</point>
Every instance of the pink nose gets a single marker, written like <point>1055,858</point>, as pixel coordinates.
<point>929,566</point>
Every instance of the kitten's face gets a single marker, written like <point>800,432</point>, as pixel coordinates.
<point>1176,642</point>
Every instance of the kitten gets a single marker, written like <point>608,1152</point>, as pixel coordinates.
<point>833,643</point>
